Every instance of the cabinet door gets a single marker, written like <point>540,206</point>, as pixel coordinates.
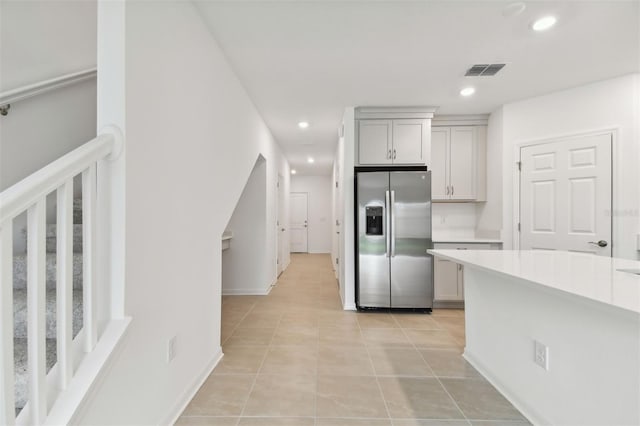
<point>445,280</point>
<point>409,141</point>
<point>374,141</point>
<point>439,163</point>
<point>462,160</point>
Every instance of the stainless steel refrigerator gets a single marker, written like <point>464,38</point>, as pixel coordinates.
<point>393,233</point>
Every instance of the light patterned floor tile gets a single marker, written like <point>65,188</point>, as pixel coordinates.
<point>221,395</point>
<point>408,397</point>
<point>340,396</point>
<point>282,396</point>
<point>295,358</point>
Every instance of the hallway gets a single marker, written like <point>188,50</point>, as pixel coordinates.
<point>295,357</point>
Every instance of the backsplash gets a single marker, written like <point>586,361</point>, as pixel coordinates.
<point>453,219</point>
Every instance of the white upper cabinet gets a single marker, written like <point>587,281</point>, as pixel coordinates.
<point>439,162</point>
<point>375,141</point>
<point>393,136</point>
<point>409,141</point>
<point>458,163</point>
<point>463,163</point>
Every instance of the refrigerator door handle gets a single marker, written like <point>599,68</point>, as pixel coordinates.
<point>393,223</point>
<point>387,217</point>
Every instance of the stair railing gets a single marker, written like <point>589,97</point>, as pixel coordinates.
<point>29,195</point>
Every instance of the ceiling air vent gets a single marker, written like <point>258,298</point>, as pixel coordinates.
<point>484,70</point>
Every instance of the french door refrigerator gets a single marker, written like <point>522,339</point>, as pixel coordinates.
<point>393,233</point>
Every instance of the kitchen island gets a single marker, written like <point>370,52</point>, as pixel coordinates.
<point>584,313</point>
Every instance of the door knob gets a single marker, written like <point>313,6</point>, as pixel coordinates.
<point>601,243</point>
<point>282,229</point>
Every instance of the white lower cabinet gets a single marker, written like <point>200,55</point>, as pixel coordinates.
<point>448,278</point>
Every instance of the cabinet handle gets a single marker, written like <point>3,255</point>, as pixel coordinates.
<point>394,154</point>
<point>389,155</point>
<point>447,189</point>
<point>451,189</point>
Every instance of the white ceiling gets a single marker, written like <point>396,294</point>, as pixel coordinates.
<point>302,60</point>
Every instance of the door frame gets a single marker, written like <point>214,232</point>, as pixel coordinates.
<point>517,149</point>
<point>306,228</point>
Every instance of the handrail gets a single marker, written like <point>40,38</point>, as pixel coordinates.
<point>35,89</point>
<point>19,197</point>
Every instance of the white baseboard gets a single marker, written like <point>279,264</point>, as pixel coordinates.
<point>191,390</point>
<point>531,414</point>
<point>349,307</point>
<point>245,292</point>
<point>286,265</point>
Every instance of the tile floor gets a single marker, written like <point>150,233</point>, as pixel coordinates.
<point>295,357</point>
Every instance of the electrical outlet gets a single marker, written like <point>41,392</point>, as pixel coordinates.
<point>541,355</point>
<point>171,349</point>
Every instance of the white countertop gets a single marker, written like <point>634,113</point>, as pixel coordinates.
<point>593,277</point>
<point>466,240</point>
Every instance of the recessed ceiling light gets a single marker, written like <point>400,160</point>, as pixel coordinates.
<point>544,24</point>
<point>303,124</point>
<point>293,171</point>
<point>310,160</point>
<point>513,9</point>
<point>467,91</point>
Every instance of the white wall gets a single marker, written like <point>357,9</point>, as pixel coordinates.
<point>244,262</point>
<point>44,39</point>
<point>41,129</point>
<point>318,189</point>
<point>610,104</point>
<point>489,213</point>
<point>345,158</point>
<point>192,138</point>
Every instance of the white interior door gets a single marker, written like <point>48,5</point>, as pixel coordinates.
<point>336,223</point>
<point>298,222</point>
<point>565,195</point>
<point>280,227</point>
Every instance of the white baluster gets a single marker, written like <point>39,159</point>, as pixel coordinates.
<point>64,282</point>
<point>7,375</point>
<point>89,256</point>
<point>36,288</point>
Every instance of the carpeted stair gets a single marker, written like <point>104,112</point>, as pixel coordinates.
<point>20,316</point>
